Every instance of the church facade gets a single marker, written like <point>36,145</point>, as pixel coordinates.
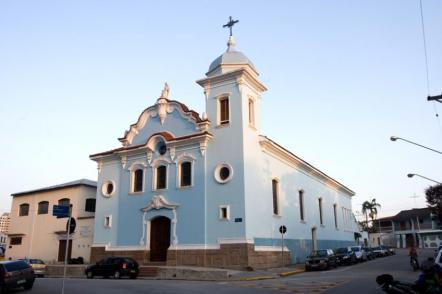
<point>210,190</point>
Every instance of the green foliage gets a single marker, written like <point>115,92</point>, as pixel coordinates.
<point>434,200</point>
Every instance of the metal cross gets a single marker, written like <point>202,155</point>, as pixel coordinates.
<point>230,24</point>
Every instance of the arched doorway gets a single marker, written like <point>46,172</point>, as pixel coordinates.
<point>159,238</point>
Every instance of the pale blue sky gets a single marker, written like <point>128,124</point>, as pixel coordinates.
<point>343,76</point>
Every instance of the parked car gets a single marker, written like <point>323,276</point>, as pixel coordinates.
<point>37,265</point>
<point>320,259</point>
<point>116,267</point>
<point>345,255</point>
<point>15,274</point>
<point>369,252</point>
<point>436,251</point>
<point>380,251</point>
<point>359,253</point>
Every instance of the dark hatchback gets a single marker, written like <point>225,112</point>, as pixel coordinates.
<point>345,255</point>
<point>116,267</point>
<point>15,274</point>
<point>320,259</point>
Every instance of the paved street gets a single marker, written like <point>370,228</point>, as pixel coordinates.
<point>348,279</point>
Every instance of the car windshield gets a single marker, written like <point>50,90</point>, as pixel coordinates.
<point>341,250</point>
<point>16,266</point>
<point>36,261</point>
<point>318,253</point>
<point>355,249</point>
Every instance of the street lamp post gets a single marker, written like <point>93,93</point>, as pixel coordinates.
<point>394,138</point>
<point>412,175</point>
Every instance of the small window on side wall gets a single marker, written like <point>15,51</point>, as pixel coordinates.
<point>251,113</point>
<point>224,212</point>
<point>23,209</point>
<point>224,113</point>
<point>108,221</point>
<point>275,191</point>
<point>186,174</point>
<point>64,202</point>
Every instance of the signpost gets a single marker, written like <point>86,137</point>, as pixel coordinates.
<point>282,230</point>
<point>62,211</point>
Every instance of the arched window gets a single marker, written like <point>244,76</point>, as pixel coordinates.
<point>23,209</point>
<point>138,176</point>
<point>90,205</point>
<point>224,112</point>
<point>275,191</point>
<point>251,112</point>
<point>43,207</point>
<point>186,174</point>
<point>161,177</point>
<point>64,202</point>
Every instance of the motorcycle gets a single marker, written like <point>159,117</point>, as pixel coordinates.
<point>389,285</point>
<point>414,263</point>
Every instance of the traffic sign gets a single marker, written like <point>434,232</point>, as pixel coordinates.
<point>282,229</point>
<point>72,225</point>
<point>60,211</point>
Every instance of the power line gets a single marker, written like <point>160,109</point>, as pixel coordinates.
<point>426,63</point>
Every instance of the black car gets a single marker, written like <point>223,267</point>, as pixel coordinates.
<point>116,267</point>
<point>370,254</point>
<point>320,259</point>
<point>345,255</point>
<point>15,274</point>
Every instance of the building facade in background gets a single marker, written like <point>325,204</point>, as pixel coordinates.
<point>36,233</point>
<point>414,227</point>
<point>4,222</point>
<point>211,190</point>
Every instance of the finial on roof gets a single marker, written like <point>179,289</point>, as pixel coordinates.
<point>165,91</point>
<point>231,43</point>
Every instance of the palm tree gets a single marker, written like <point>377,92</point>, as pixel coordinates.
<point>374,209</point>
<point>365,209</point>
<point>370,208</point>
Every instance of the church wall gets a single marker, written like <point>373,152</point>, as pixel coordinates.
<point>225,147</point>
<point>106,206</point>
<point>174,123</point>
<point>262,225</point>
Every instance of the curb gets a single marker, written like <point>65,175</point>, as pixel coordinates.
<point>257,278</point>
<point>291,273</point>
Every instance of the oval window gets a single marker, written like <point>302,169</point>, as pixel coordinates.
<point>223,173</point>
<point>161,148</point>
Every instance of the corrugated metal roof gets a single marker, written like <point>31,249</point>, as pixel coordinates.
<point>81,182</point>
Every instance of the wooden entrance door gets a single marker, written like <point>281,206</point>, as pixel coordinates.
<point>159,238</point>
<point>62,250</point>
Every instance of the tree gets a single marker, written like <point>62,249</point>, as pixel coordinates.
<point>434,200</point>
<point>370,208</point>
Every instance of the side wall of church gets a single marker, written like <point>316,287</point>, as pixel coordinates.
<point>263,225</point>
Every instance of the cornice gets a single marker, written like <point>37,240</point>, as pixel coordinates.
<point>274,149</point>
<point>241,75</point>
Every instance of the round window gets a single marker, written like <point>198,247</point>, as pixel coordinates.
<point>161,148</point>
<point>223,173</point>
<point>108,188</point>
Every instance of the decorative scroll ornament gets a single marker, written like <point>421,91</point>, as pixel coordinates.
<point>159,202</point>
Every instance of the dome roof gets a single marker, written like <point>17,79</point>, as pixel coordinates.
<point>231,56</point>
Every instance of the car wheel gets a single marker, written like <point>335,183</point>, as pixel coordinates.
<point>133,276</point>
<point>117,275</point>
<point>89,275</point>
<point>28,286</point>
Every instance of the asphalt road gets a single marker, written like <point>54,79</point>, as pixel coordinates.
<point>358,278</point>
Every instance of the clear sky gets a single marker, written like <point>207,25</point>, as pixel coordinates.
<point>343,76</point>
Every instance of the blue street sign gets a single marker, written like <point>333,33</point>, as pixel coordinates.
<point>60,211</point>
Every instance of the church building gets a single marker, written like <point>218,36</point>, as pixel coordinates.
<point>211,190</point>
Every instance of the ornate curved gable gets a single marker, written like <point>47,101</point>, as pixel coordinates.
<point>161,109</point>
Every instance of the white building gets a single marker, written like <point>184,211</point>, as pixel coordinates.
<point>4,222</point>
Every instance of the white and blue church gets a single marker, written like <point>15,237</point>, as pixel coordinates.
<point>211,190</point>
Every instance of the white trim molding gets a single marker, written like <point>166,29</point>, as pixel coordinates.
<point>270,248</point>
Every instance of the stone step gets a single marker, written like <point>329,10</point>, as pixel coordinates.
<point>148,271</point>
